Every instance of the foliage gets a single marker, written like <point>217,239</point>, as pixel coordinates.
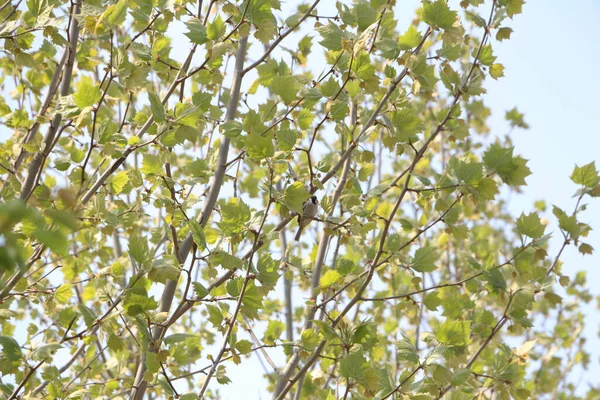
<point>148,201</point>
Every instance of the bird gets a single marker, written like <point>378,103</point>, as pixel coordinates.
<point>309,211</point>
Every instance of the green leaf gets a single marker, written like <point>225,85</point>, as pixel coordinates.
<point>435,354</point>
<point>202,100</point>
<point>332,36</point>
<point>406,350</point>
<point>62,163</point>
<point>438,14</point>
<point>196,31</point>
<point>234,214</point>
<point>199,169</point>
<point>253,299</point>
<point>467,172</point>
<point>406,123</point>
<point>553,298</point>
<point>516,118</point>
<point>201,291</point>
<point>55,240</point>
<point>586,175</point>
<point>305,118</point>
<point>329,279</point>
<point>187,114</point>
<point>394,242</point>
<point>216,28</point>
<point>222,379</point>
<point>273,331</point>
<point>152,363</point>
<point>137,302</point>
<point>460,376</point>
<point>432,301</point>
<point>503,34</point>
<point>512,170</point>
<point>87,93</point>
<point>286,139</point>
<point>180,337</point>
<point>567,223</point>
<point>338,110</point>
<point>364,68</point>
<point>410,39</point>
<point>513,7</point>
<point>477,19</point>
<point>189,396</point>
<point>326,330</point>
<point>117,12</point>
<point>497,71</point>
<point>6,315</point>
<point>164,269</point>
<point>243,346</point>
<point>295,195</point>
<point>487,188</point>
<point>285,87</point>
<point>156,107</point>
<point>118,181</point>
<point>115,343</point>
<point>330,87</point>
<point>389,49</point>
<point>63,293</point>
<point>231,129</point>
<point>441,375</point>
<point>346,266</point>
<point>530,225</point>
<point>141,51</point>
<point>585,248</point>
<point>64,218</point>
<point>366,14</point>
<point>197,234</point>
<point>454,333</point>
<point>226,260</point>
<point>259,147</point>
<point>138,249</point>
<point>310,339</point>
<point>495,278</point>
<point>425,259</point>
<point>152,165</point>
<point>268,271</point>
<point>89,316</point>
<point>45,351</point>
<point>486,57</point>
<point>351,366</point>
<point>10,348</point>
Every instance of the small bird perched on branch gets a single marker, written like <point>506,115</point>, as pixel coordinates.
<point>309,211</point>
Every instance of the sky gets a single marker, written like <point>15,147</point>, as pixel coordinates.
<point>550,76</point>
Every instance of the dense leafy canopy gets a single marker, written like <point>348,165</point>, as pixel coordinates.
<point>149,200</point>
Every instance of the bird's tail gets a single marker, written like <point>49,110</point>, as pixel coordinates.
<point>298,233</point>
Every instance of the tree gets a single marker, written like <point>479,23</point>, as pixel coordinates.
<point>148,203</point>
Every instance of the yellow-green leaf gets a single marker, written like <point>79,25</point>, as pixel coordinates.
<point>64,293</point>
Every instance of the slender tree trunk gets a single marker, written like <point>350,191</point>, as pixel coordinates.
<point>316,275</point>
<point>139,385</point>
<point>49,96</point>
<point>37,164</point>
